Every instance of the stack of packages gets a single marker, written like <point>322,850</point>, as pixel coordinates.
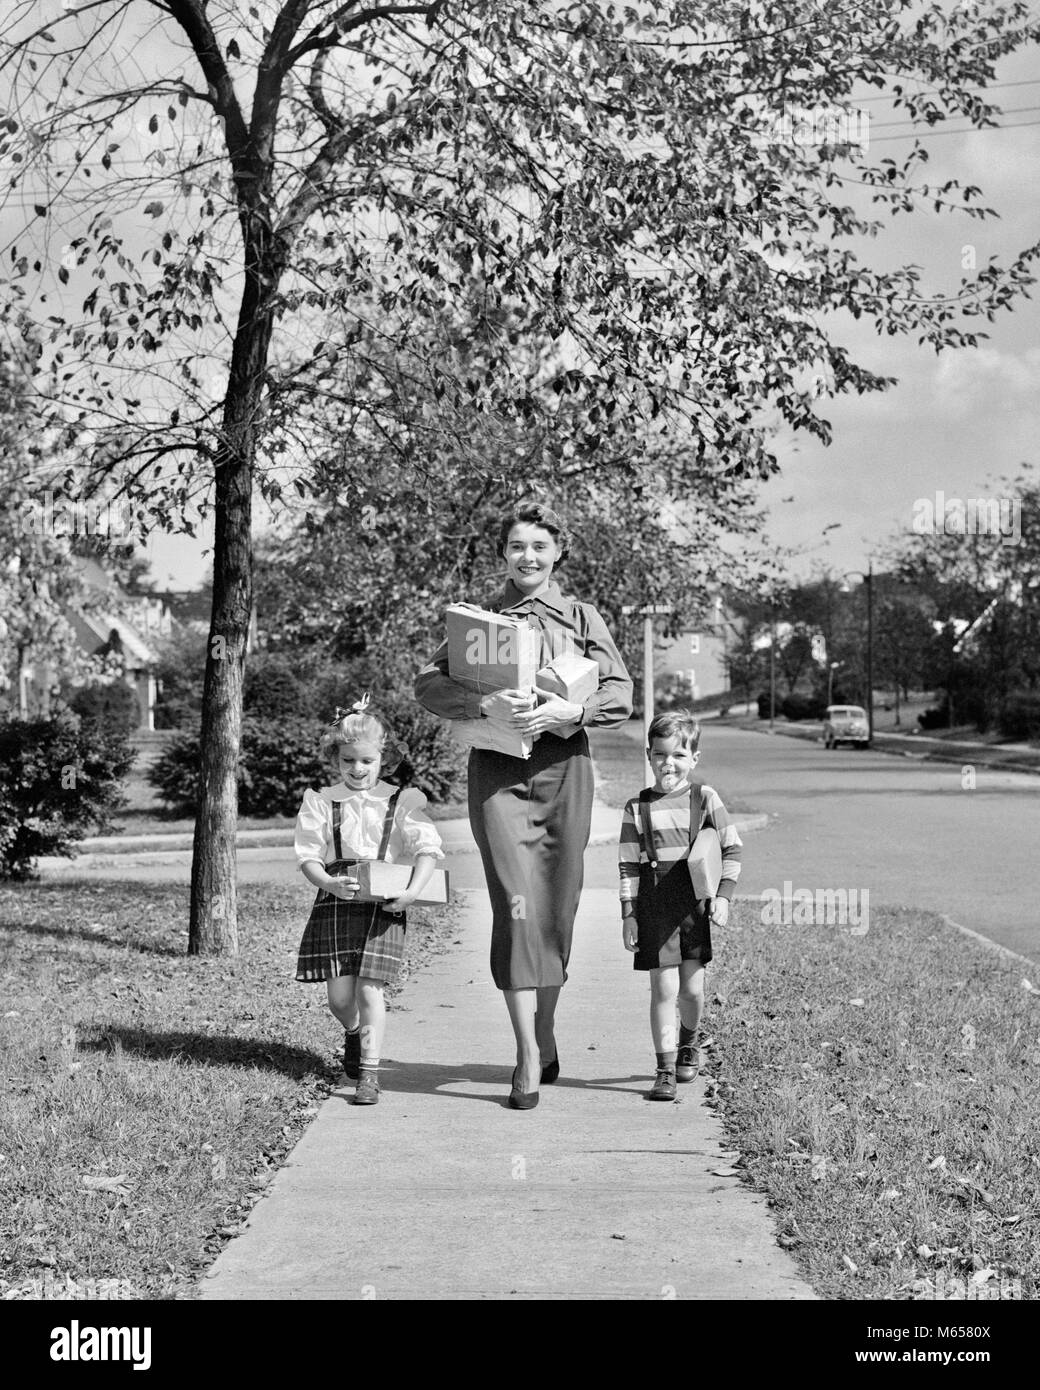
<point>488,652</point>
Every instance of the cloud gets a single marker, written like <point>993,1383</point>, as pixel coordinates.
<point>964,381</point>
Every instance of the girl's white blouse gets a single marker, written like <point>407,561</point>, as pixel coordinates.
<point>361,827</point>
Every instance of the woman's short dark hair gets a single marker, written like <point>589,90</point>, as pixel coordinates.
<point>532,513</point>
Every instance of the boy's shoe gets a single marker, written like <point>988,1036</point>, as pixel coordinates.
<point>687,1062</point>
<point>352,1053</point>
<point>367,1092</point>
<point>664,1086</point>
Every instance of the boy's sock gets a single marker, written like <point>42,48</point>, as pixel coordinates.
<point>666,1059</point>
<point>687,1036</point>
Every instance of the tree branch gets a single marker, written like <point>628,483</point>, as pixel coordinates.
<point>192,18</point>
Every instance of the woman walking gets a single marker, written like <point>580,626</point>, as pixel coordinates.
<point>531,817</point>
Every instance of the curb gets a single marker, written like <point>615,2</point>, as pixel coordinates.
<point>139,853</point>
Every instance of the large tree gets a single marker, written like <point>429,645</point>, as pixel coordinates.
<point>327,186</point>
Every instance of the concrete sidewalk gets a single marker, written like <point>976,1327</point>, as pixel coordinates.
<point>442,1192</point>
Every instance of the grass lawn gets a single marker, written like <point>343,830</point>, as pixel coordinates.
<point>884,1091</point>
<point>149,1096</point>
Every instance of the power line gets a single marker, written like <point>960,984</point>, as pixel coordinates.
<point>936,91</point>
<point>1012,111</point>
<point>969,130</point>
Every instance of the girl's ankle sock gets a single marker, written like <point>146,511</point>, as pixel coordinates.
<point>666,1059</point>
<point>686,1035</point>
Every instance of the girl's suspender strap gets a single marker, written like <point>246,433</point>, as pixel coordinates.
<point>337,820</point>
<point>388,824</point>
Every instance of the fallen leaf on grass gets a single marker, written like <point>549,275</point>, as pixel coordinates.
<point>1028,985</point>
<point>117,1184</point>
<point>925,1251</point>
<point>983,1194</point>
<point>890,1193</point>
<point>981,1276</point>
<point>858,1003</point>
<point>938,1162</point>
<point>1012,1220</point>
<point>819,1167</point>
<point>853,1267</point>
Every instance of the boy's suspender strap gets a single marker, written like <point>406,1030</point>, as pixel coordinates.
<point>388,824</point>
<point>695,810</point>
<point>649,843</point>
<point>337,820</point>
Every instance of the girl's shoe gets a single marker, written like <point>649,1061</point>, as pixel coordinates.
<point>687,1062</point>
<point>551,1070</point>
<point>522,1100</point>
<point>352,1053</point>
<point>367,1092</point>
<point>664,1086</point>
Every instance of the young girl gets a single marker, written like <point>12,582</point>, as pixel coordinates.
<point>666,926</point>
<point>358,947</point>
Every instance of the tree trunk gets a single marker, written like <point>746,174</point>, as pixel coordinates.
<point>213,928</point>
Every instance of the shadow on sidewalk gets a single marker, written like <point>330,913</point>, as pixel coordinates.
<point>207,1050</point>
<point>415,1078</point>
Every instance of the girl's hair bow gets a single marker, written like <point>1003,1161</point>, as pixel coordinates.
<point>358,707</point>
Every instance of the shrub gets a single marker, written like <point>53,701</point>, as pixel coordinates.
<point>179,672</point>
<point>796,706</point>
<point>112,706</point>
<point>273,688</point>
<point>935,717</point>
<point>60,778</point>
<point>280,759</point>
<point>1021,715</point>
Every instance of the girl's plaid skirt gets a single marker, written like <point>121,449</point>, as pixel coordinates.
<point>350,938</point>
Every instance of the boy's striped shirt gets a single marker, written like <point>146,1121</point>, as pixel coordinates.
<point>670,817</point>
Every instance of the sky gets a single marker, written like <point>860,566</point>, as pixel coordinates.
<point>955,423</point>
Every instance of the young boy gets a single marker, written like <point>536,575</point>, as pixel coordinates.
<point>662,921</point>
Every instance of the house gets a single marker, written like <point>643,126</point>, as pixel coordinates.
<point>108,623</point>
<point>700,656</point>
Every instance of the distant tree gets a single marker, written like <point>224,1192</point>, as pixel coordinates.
<point>36,578</point>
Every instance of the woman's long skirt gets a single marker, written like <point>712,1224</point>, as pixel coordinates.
<point>531,820</point>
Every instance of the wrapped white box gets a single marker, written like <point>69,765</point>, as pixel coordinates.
<point>705,863</point>
<point>380,880</point>
<point>570,676</point>
<point>490,651</point>
<point>486,733</point>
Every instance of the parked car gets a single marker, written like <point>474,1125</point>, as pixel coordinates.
<point>845,724</point>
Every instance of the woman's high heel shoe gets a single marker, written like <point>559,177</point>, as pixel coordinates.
<point>522,1100</point>
<point>551,1070</point>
